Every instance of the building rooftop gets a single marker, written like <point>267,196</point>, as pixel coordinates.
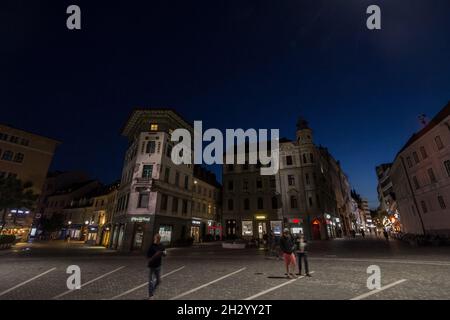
<point>445,112</point>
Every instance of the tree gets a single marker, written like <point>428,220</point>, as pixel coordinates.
<point>52,224</point>
<point>15,194</point>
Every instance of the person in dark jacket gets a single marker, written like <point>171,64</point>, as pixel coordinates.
<point>155,254</point>
<point>287,246</point>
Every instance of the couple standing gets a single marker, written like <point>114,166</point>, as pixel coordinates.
<point>291,247</point>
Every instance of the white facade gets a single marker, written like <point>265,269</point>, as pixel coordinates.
<point>155,195</point>
<point>421,178</point>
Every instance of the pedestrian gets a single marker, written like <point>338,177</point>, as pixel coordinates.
<point>363,233</point>
<point>265,238</point>
<point>155,254</point>
<point>302,255</point>
<point>287,246</point>
<point>386,235</point>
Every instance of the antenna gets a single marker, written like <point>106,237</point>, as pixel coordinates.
<point>423,120</point>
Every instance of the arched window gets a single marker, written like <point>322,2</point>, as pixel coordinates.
<point>294,204</point>
<point>311,158</point>
<point>304,158</point>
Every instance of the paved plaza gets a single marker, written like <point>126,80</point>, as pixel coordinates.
<point>38,271</point>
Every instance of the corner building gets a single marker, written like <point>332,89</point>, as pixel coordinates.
<point>155,195</point>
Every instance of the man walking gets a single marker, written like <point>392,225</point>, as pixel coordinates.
<point>155,254</point>
<point>287,246</point>
<point>302,255</point>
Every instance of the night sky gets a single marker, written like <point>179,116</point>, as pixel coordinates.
<point>232,64</point>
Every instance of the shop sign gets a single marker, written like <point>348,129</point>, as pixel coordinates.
<point>196,222</point>
<point>140,219</point>
<point>260,217</point>
<point>296,220</point>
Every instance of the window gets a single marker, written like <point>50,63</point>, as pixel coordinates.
<point>416,183</point>
<point>230,185</point>
<point>151,147</point>
<point>14,139</point>
<point>3,136</point>
<point>274,202</point>
<point>258,184</point>
<point>424,206</point>
<point>289,160</point>
<point>273,183</point>
<point>175,205</point>
<point>260,203</point>
<point>245,185</point>
<point>311,157</point>
<point>408,160</point>
<point>154,127</point>
<point>423,152</point>
<point>164,200</point>
<point>246,204</point>
<point>304,159</point>
<point>441,202</point>
<point>169,151</point>
<point>291,180</point>
<point>25,142</point>
<point>416,157</point>
<point>310,201</point>
<point>19,157</point>
<point>143,200</point>
<point>307,179</point>
<point>186,182</point>
<point>184,208</point>
<point>447,166</point>
<point>431,175</point>
<point>7,155</point>
<point>230,204</point>
<point>439,143</point>
<point>247,228</point>
<point>314,178</point>
<point>177,179</point>
<point>147,171</point>
<point>167,175</point>
<point>294,204</point>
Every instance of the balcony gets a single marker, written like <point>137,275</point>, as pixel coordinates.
<point>147,182</point>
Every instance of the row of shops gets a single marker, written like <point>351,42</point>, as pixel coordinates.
<point>136,233</point>
<point>317,228</point>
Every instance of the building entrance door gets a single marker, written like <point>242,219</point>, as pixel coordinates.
<point>316,230</point>
<point>262,229</point>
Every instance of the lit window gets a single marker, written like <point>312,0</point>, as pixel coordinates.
<point>247,228</point>
<point>154,127</point>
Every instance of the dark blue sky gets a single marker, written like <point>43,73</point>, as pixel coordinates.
<point>232,64</point>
